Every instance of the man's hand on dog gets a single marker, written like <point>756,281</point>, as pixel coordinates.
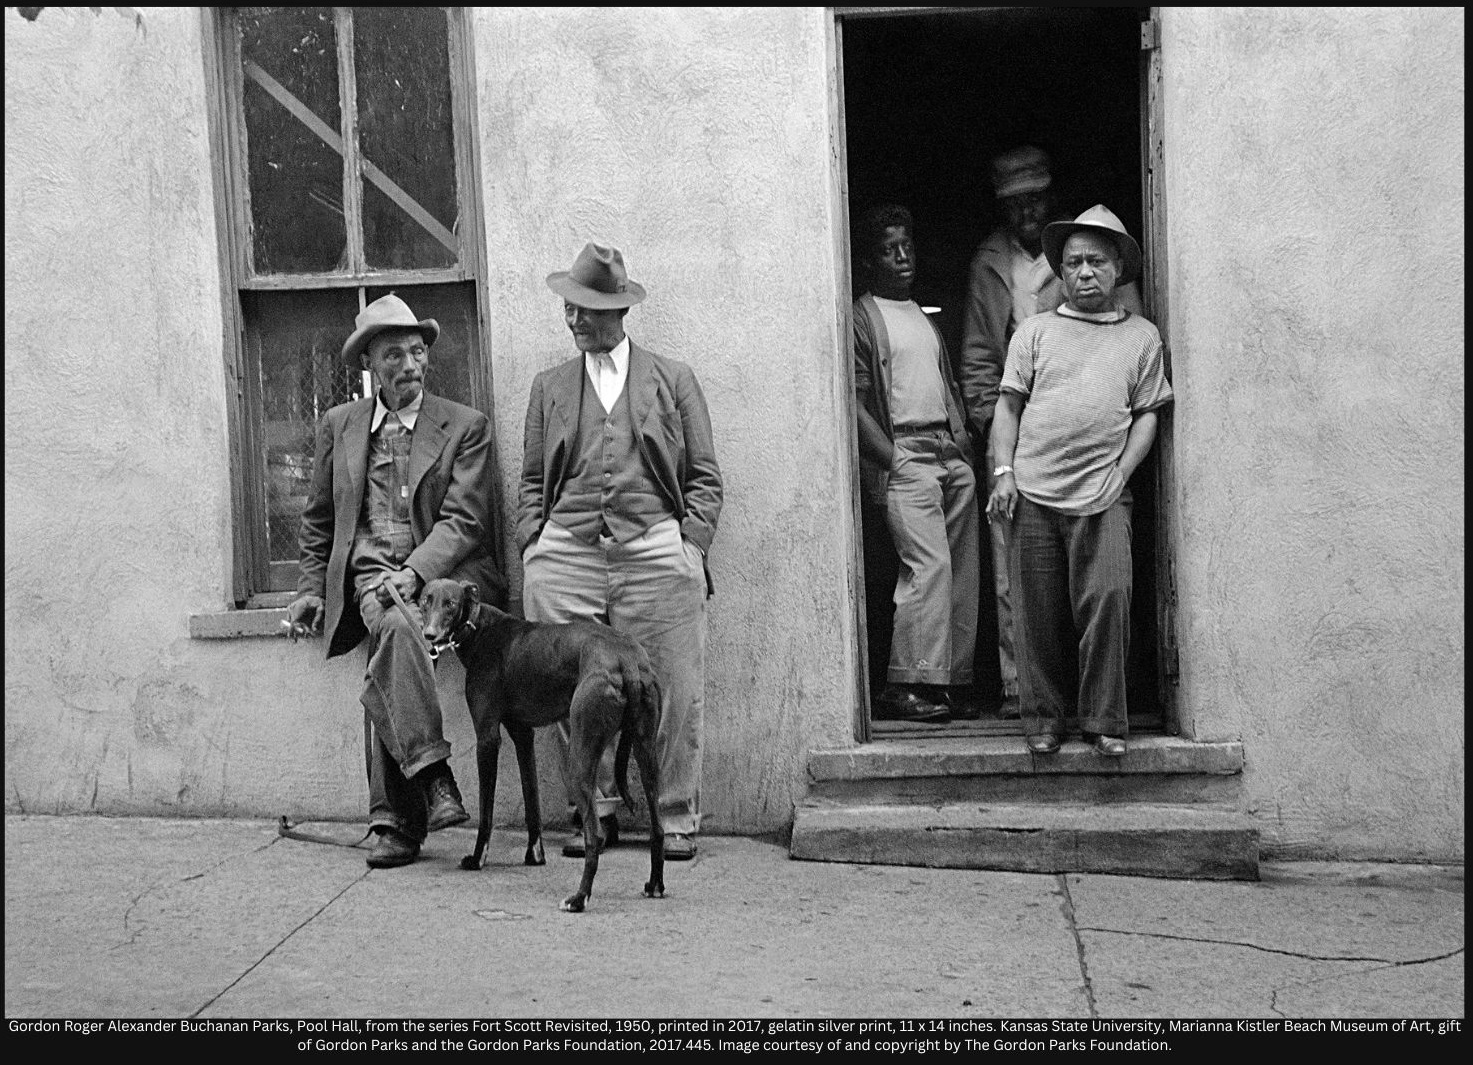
<point>304,617</point>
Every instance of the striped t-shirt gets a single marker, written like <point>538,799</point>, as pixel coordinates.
<point>1084,381</point>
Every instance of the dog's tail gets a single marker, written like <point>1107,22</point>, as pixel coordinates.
<point>641,714</point>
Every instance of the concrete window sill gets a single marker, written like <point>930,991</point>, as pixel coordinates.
<point>238,624</point>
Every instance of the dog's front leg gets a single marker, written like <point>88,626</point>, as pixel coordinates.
<point>488,752</point>
<point>522,736</point>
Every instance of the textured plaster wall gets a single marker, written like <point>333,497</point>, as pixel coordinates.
<point>1315,199</point>
<point>697,142</point>
<point>117,495</point>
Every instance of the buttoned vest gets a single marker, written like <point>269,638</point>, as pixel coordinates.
<point>608,488</point>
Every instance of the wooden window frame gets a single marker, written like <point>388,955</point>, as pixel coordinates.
<point>255,580</point>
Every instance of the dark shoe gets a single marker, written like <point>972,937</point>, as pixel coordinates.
<point>392,850</point>
<point>443,799</point>
<point>1044,743</point>
<point>608,836</point>
<point>899,703</point>
<point>679,847</point>
<point>1110,746</point>
<point>962,704</point>
<point>1009,710</point>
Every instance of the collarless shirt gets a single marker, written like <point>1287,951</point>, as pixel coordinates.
<point>607,372</point>
<point>917,391</point>
<point>1085,378</point>
<point>407,414</point>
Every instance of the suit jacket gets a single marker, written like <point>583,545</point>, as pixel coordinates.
<point>450,484</point>
<point>672,430</point>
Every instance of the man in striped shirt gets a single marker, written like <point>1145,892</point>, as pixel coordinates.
<point>1076,416</point>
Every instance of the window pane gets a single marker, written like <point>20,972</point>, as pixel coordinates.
<point>291,104</point>
<point>406,135</point>
<point>296,338</point>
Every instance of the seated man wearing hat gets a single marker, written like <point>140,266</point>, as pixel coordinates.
<point>1010,281</point>
<point>400,495</point>
<point>1076,416</point>
<point>620,495</point>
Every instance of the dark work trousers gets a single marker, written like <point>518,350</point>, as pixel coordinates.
<point>403,710</point>
<point>1071,580</point>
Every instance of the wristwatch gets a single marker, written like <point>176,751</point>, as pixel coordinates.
<point>1002,470</point>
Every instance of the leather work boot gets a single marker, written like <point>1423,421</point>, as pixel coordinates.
<point>901,702</point>
<point>443,799</point>
<point>391,850</point>
<point>608,835</point>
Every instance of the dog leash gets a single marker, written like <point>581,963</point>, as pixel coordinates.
<point>400,603</point>
<point>284,827</point>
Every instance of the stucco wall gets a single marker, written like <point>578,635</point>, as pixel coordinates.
<point>1315,189</point>
<point>699,145</point>
<point>1315,195</point>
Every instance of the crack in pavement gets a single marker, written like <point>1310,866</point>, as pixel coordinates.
<point>1332,977</point>
<point>1390,962</point>
<point>1074,929</point>
<point>158,884</point>
<point>279,943</point>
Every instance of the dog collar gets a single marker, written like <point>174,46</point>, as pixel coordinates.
<point>463,633</point>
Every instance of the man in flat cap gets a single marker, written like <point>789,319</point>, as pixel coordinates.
<point>620,495</point>
<point>400,495</point>
<point>1010,280</point>
<point>1076,416</point>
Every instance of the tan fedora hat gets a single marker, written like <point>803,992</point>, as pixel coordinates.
<point>386,312</point>
<point>597,280</point>
<point>1098,219</point>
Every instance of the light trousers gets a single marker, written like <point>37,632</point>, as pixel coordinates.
<point>654,589</point>
<point>931,508</point>
<point>1001,543</point>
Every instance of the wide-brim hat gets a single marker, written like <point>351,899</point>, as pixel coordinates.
<point>386,312</point>
<point>597,280</point>
<point>1020,170</point>
<point>1098,219</point>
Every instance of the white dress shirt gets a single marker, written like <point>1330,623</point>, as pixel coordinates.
<point>608,370</point>
<point>407,414</point>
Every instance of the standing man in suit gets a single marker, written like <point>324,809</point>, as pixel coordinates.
<point>401,493</point>
<point>620,495</point>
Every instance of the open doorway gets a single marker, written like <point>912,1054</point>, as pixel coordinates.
<point>928,99</point>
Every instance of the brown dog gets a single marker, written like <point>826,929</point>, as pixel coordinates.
<point>523,675</point>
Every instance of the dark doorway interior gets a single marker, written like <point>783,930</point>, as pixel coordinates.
<point>928,100</point>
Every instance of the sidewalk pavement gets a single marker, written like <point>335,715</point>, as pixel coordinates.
<point>149,918</point>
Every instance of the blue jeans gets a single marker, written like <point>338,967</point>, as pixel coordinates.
<point>401,704</point>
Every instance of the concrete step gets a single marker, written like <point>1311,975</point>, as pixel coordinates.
<point>1001,769</point>
<point>1135,839</point>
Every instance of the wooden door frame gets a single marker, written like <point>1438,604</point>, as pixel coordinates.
<point>1155,294</point>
